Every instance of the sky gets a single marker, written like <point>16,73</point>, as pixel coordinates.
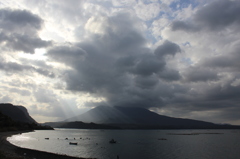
<point>178,58</point>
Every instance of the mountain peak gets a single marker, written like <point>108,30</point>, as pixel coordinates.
<point>141,118</point>
<point>133,116</point>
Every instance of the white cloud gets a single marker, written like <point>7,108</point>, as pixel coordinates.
<point>96,25</point>
<point>123,3</point>
<point>168,2</point>
<point>147,11</point>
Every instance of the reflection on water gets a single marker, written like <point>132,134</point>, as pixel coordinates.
<point>131,144</point>
<point>21,138</point>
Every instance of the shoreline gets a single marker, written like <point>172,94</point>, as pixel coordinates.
<point>10,151</point>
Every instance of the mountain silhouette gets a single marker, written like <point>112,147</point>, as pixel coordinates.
<point>103,115</point>
<point>16,113</point>
<point>16,118</point>
<point>136,117</point>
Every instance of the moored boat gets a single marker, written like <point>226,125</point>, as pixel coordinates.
<point>112,141</point>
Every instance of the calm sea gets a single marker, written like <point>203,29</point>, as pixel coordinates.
<point>135,144</point>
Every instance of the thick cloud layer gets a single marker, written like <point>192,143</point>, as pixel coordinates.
<point>216,15</point>
<point>19,30</point>
<point>178,58</point>
<point>13,67</point>
<point>118,65</point>
<point>215,77</point>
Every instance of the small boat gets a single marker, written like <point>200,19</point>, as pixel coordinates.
<point>112,141</point>
<point>46,138</point>
<point>73,143</point>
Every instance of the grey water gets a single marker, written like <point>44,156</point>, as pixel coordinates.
<point>135,144</point>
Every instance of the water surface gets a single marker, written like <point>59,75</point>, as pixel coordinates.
<point>135,144</point>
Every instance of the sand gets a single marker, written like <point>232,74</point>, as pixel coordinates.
<point>9,151</point>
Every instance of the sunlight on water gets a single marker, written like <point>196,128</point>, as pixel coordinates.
<point>20,138</point>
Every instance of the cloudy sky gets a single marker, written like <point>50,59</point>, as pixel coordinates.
<point>179,58</point>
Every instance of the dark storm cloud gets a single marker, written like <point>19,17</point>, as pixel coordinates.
<point>45,72</point>
<point>67,54</point>
<point>213,82</point>
<point>181,25</point>
<point>228,92</point>
<point>13,67</point>
<point>167,48</point>
<point>219,14</point>
<point>230,61</point>
<point>23,42</point>
<point>146,82</point>
<point>21,20</point>
<point>210,98</point>
<point>19,30</point>
<point>201,74</point>
<point>230,114</point>
<point>118,65</point>
<point>216,15</point>
<point>148,65</point>
<point>170,75</point>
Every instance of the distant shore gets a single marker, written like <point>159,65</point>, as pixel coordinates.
<point>9,151</point>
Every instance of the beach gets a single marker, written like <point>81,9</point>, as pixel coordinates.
<point>9,151</point>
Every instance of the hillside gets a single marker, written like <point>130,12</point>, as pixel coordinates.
<point>79,125</point>
<point>13,118</point>
<point>17,113</point>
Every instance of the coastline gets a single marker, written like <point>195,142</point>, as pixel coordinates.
<point>10,151</point>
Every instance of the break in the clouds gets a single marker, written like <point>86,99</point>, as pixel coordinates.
<point>178,58</point>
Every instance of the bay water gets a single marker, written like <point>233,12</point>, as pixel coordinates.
<point>135,144</point>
